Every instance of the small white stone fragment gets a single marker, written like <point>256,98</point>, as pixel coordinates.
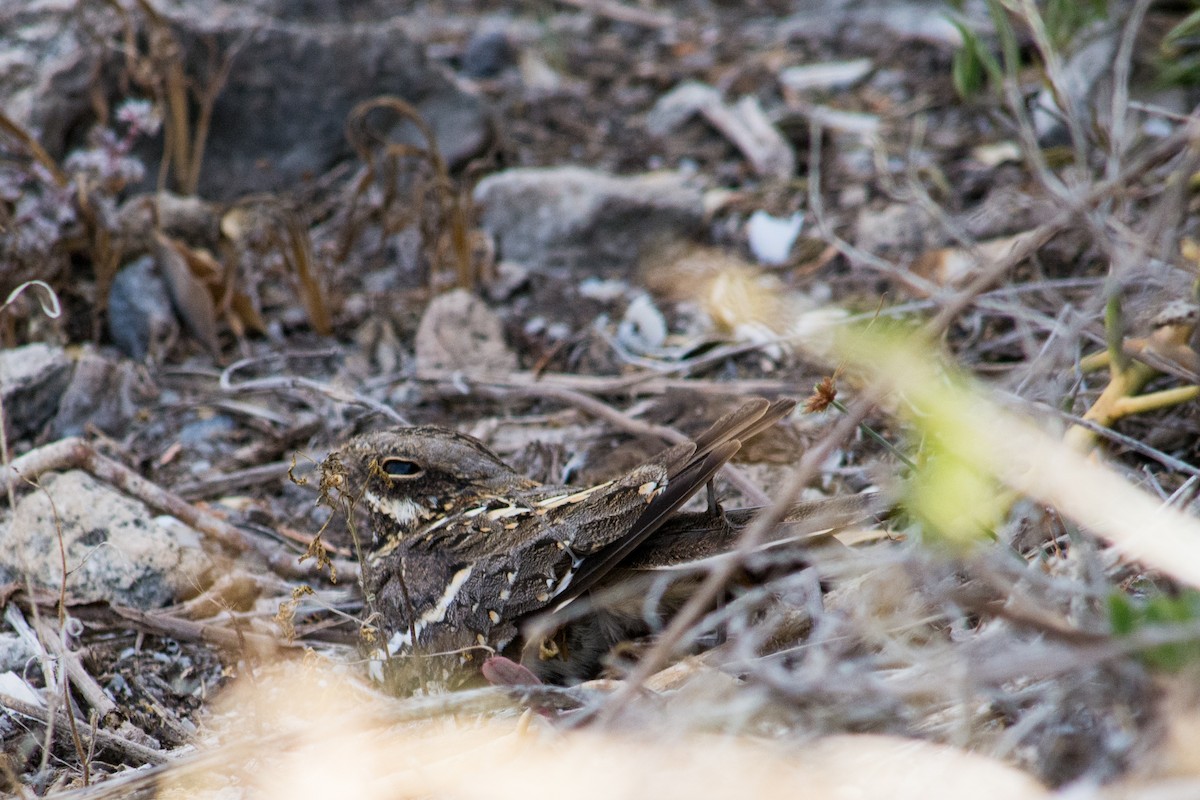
<point>644,327</point>
<point>826,75</point>
<point>771,238</point>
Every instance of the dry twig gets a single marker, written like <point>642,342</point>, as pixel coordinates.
<point>75,453</point>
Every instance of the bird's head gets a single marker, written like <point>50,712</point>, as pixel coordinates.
<point>407,477</point>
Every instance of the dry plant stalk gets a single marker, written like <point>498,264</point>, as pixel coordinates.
<point>160,71</point>
<point>438,206</point>
<point>260,224</point>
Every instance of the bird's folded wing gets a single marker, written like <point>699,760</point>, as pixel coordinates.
<point>687,538</point>
<point>682,486</point>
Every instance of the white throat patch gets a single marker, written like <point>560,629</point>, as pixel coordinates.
<point>404,511</point>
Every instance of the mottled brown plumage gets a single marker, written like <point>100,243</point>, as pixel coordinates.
<point>463,549</point>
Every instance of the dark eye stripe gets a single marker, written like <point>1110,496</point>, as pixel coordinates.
<point>401,468</point>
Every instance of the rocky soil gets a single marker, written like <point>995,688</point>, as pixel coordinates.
<point>237,233</point>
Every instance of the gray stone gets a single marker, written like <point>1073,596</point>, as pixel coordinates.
<point>102,394</point>
<point>15,653</point>
<point>32,380</point>
<point>895,229</point>
<point>488,54</point>
<point>116,550</point>
<point>47,63</point>
<point>296,70</point>
<point>581,219</point>
<point>141,319</point>
<point>460,333</point>
<point>281,117</point>
<point>509,279</point>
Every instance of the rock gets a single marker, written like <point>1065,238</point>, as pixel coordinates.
<point>188,218</point>
<point>901,21</point>
<point>205,434</point>
<point>49,63</point>
<point>32,380</point>
<point>488,54</point>
<point>576,218</point>
<point>293,79</point>
<point>101,394</point>
<point>15,653</point>
<point>116,550</point>
<point>459,332</point>
<point>141,319</point>
<point>281,117</point>
<point>898,228</point>
<point>825,76</point>
<point>643,329</point>
<point>510,278</point>
<point>771,238</point>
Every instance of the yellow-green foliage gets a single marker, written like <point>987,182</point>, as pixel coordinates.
<point>1128,616</point>
<point>953,490</point>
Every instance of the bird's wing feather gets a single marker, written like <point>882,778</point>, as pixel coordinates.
<point>713,448</point>
<point>678,491</point>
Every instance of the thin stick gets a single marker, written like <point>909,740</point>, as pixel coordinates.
<point>604,411</point>
<point>192,631</point>
<point>132,752</point>
<point>623,13</point>
<point>714,583</point>
<point>75,453</point>
<point>276,383</point>
<point>453,383</point>
<point>93,693</point>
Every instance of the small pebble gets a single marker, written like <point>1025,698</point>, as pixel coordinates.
<point>140,316</point>
<point>487,55</point>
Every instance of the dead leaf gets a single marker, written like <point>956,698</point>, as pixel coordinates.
<point>191,298</point>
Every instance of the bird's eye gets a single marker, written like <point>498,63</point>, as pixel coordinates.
<point>401,468</point>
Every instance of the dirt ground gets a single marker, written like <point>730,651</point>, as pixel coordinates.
<point>987,314</point>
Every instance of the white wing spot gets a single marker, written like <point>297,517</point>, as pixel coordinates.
<point>439,522</point>
<point>575,497</point>
<point>402,640</point>
<point>511,510</point>
<point>564,582</point>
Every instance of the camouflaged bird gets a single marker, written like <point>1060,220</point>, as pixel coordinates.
<point>464,549</point>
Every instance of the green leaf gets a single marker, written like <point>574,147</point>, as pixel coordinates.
<point>1008,37</point>
<point>973,65</point>
<point>1126,617</point>
<point>966,69</point>
<point>1122,616</point>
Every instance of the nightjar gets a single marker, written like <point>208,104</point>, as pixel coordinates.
<point>463,550</point>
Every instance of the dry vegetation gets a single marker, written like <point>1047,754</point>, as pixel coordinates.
<point>1016,369</point>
